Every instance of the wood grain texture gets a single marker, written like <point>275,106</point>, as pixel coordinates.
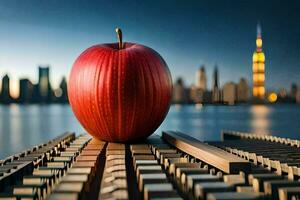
<point>209,154</point>
<point>120,95</point>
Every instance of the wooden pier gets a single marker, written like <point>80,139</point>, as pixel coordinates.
<point>171,167</point>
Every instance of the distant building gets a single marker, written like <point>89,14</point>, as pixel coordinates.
<point>298,97</point>
<point>194,94</point>
<point>216,93</point>
<point>229,93</point>
<point>199,96</point>
<point>207,97</point>
<point>283,93</point>
<point>35,94</point>
<point>242,91</point>
<point>285,97</point>
<point>294,91</point>
<point>258,69</point>
<point>201,79</point>
<point>61,93</point>
<point>5,96</point>
<point>179,92</point>
<point>26,91</point>
<point>40,92</point>
<point>45,90</point>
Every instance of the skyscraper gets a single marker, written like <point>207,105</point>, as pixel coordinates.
<point>26,91</point>
<point>258,69</point>
<point>5,91</point>
<point>201,79</point>
<point>193,94</point>
<point>215,87</point>
<point>179,92</point>
<point>45,91</point>
<point>229,93</point>
<point>294,90</point>
<point>242,91</point>
<point>62,93</point>
<point>216,78</point>
<point>197,95</point>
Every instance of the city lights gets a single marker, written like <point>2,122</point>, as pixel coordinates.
<point>258,69</point>
<point>272,97</point>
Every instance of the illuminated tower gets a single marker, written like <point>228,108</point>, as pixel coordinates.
<point>258,68</point>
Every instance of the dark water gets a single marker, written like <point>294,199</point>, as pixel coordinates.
<point>23,126</point>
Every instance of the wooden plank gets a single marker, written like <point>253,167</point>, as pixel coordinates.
<point>233,196</point>
<point>271,187</point>
<point>75,187</point>
<point>288,192</point>
<point>202,189</point>
<point>65,196</point>
<point>157,188</point>
<point>212,155</point>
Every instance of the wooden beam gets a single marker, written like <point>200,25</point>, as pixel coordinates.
<point>212,155</point>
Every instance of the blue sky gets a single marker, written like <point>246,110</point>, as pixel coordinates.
<point>186,33</point>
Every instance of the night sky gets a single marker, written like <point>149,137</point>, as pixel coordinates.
<point>186,33</point>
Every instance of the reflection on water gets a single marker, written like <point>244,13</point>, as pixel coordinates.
<point>260,119</point>
<point>24,126</point>
<point>15,126</point>
<point>207,122</point>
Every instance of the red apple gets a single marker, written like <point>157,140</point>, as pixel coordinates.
<point>120,92</point>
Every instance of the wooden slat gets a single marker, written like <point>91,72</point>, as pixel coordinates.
<point>212,155</point>
<point>233,196</point>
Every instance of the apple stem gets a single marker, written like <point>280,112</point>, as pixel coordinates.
<point>119,34</point>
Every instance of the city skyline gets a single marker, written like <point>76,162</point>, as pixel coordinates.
<point>185,34</point>
<point>30,92</point>
<point>43,92</point>
<point>201,80</point>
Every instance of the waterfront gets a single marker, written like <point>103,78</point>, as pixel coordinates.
<point>23,126</point>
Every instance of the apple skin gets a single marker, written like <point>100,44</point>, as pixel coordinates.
<point>120,95</point>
